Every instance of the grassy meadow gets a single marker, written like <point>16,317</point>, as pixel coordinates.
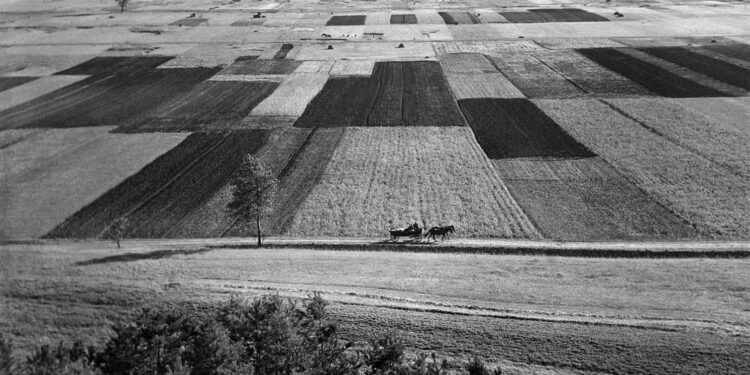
<point>570,315</point>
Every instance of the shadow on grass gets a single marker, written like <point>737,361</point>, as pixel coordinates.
<point>132,257</point>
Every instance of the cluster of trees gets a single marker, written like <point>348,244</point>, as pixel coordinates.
<point>267,335</point>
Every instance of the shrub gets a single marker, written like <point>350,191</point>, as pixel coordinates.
<point>267,335</point>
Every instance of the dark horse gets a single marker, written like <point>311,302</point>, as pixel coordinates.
<point>440,231</point>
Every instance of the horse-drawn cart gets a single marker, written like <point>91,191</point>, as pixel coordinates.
<point>413,231</point>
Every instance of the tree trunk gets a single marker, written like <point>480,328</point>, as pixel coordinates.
<point>257,222</point>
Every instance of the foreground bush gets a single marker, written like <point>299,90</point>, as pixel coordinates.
<point>267,335</point>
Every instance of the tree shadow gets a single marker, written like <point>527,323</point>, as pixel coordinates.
<point>132,257</point>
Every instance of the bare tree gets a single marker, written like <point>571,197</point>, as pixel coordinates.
<point>255,188</point>
<point>122,4</point>
<point>118,229</point>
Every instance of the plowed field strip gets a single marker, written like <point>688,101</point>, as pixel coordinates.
<point>458,18</point>
<point>192,189</point>
<point>35,89</point>
<point>400,175</point>
<point>717,69</point>
<point>211,104</point>
<point>737,51</point>
<point>590,76</point>
<point>11,82</point>
<point>648,75</point>
<point>292,96</point>
<point>92,220</point>
<point>299,177</point>
<point>403,19</point>
<point>110,100</point>
<point>466,63</point>
<point>710,198</point>
<point>396,94</point>
<point>283,51</point>
<point>567,15</point>
<point>475,86</point>
<point>107,65</point>
<point>522,17</point>
<point>346,20</point>
<point>509,128</point>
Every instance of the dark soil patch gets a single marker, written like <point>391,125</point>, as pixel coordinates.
<point>652,77</point>
<point>716,69</point>
<point>397,19</point>
<point>162,194</point>
<point>346,20</point>
<point>596,210</point>
<point>458,18</point>
<point>189,22</point>
<point>107,65</point>
<point>736,50</point>
<point>283,51</point>
<point>210,105</point>
<point>259,67</point>
<point>11,82</point>
<point>250,22</point>
<point>522,17</point>
<point>396,94</point>
<point>567,15</point>
<point>109,100</point>
<point>510,128</point>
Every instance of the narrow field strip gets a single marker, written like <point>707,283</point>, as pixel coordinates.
<point>476,86</point>
<point>712,199</point>
<point>391,176</point>
<point>534,78</point>
<point>489,47</point>
<point>398,19</point>
<point>716,69</point>
<point>283,51</point>
<point>352,67</point>
<point>652,77</point>
<point>510,128</point>
<point>397,94</point>
<point>567,15</point>
<point>90,102</point>
<point>728,111</point>
<point>9,137</point>
<point>107,65</point>
<point>522,17</point>
<point>590,76</point>
<point>292,96</point>
<point>458,18</point>
<point>738,50</point>
<point>162,194</point>
<point>66,169</point>
<point>721,143</point>
<point>466,63</point>
<point>346,20</point>
<point>34,89</point>
<point>7,83</point>
<point>210,105</point>
<point>250,65</point>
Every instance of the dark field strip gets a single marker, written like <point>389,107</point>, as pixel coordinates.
<point>209,105</point>
<point>164,192</point>
<point>567,15</point>
<point>716,69</point>
<point>593,348</point>
<point>195,186</point>
<point>509,128</point>
<point>189,22</point>
<point>396,94</point>
<point>253,66</point>
<point>107,65</point>
<point>92,220</point>
<point>736,50</point>
<point>283,51</point>
<point>654,78</point>
<point>522,17</point>
<point>346,20</point>
<point>110,100</point>
<point>458,18</point>
<point>11,82</point>
<point>397,19</point>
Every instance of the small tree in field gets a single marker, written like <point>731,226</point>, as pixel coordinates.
<point>254,191</point>
<point>118,229</point>
<point>122,4</point>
